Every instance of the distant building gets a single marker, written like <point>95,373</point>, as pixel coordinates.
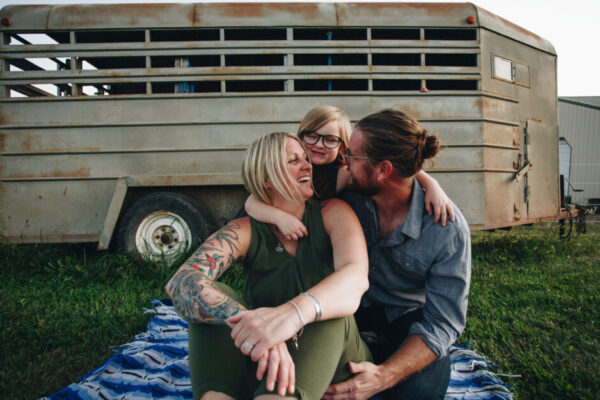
<point>579,130</point>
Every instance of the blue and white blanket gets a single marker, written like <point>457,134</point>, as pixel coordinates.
<point>154,365</point>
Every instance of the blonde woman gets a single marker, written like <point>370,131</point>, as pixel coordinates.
<point>293,331</point>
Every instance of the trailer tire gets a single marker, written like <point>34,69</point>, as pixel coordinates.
<point>161,227</point>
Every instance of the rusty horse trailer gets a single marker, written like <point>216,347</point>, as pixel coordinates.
<point>130,121</point>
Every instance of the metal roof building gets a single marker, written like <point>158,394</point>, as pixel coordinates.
<point>579,125</point>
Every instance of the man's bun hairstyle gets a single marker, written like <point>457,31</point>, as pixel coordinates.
<point>394,136</point>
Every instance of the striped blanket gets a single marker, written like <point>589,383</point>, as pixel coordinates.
<point>154,366</point>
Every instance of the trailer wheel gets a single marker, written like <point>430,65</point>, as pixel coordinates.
<point>162,226</point>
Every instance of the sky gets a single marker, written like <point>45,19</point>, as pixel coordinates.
<point>571,26</point>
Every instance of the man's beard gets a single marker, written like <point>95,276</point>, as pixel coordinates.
<point>366,189</point>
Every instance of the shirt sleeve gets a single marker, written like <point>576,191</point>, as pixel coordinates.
<point>447,291</point>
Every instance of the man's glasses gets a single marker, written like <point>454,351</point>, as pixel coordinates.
<point>348,156</point>
<point>312,137</point>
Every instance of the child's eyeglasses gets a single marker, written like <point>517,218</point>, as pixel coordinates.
<point>312,137</point>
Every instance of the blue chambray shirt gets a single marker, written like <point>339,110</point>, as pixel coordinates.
<point>420,265</point>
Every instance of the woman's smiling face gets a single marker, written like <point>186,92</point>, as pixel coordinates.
<point>299,167</point>
<point>319,153</point>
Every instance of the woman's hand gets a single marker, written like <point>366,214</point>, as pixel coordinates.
<point>280,368</point>
<point>256,331</point>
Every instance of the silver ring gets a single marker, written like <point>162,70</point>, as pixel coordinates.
<point>247,345</point>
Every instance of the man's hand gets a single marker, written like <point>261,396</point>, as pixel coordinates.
<point>368,380</point>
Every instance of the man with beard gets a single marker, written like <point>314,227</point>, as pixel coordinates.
<point>419,271</point>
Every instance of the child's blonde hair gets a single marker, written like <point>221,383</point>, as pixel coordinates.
<point>266,160</point>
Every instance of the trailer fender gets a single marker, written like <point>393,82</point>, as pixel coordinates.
<point>112,216</point>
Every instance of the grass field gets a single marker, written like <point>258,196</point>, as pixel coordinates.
<point>534,309</point>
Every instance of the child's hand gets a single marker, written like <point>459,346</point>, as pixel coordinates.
<point>291,227</point>
<point>437,202</point>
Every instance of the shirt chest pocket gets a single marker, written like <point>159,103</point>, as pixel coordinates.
<point>406,264</point>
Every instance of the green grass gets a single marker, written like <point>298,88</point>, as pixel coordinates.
<point>533,309</point>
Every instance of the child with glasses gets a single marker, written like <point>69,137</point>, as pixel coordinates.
<point>325,131</point>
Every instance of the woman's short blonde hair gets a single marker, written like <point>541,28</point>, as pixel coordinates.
<point>266,161</point>
<point>319,116</point>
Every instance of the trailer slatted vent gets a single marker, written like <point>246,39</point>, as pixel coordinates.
<point>396,84</point>
<point>194,61</point>
<point>255,86</point>
<point>450,34</point>
<point>330,59</point>
<point>180,35</point>
<point>254,60</point>
<point>395,34</point>
<point>287,60</point>
<point>396,59</point>
<point>330,34</point>
<point>303,85</point>
<point>255,34</point>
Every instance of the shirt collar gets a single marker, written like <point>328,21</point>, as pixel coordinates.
<point>411,227</point>
<point>414,219</point>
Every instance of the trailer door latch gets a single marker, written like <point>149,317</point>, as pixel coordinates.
<point>524,169</point>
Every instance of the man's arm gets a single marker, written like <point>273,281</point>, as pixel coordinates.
<point>447,288</point>
<point>196,297</point>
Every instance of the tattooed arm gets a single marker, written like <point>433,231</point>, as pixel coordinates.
<point>196,297</point>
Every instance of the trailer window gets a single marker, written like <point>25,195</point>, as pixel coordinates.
<point>330,34</point>
<point>395,34</point>
<point>448,84</point>
<point>254,60</point>
<point>396,84</point>
<point>255,86</point>
<point>451,60</point>
<point>330,59</point>
<point>503,69</point>
<point>450,34</point>
<point>302,85</point>
<point>109,36</point>
<point>255,34</point>
<point>186,87</point>
<point>396,59</point>
<point>184,35</point>
<point>113,62</point>
<point>191,61</point>
<point>510,71</point>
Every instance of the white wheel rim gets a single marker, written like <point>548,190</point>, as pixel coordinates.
<point>162,235</point>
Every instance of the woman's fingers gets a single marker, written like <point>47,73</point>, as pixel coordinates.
<point>273,369</point>
<point>263,363</point>
<point>290,377</point>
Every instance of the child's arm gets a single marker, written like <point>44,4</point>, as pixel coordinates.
<point>290,226</point>
<point>436,200</point>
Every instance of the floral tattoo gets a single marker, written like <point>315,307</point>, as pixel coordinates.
<point>195,295</point>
